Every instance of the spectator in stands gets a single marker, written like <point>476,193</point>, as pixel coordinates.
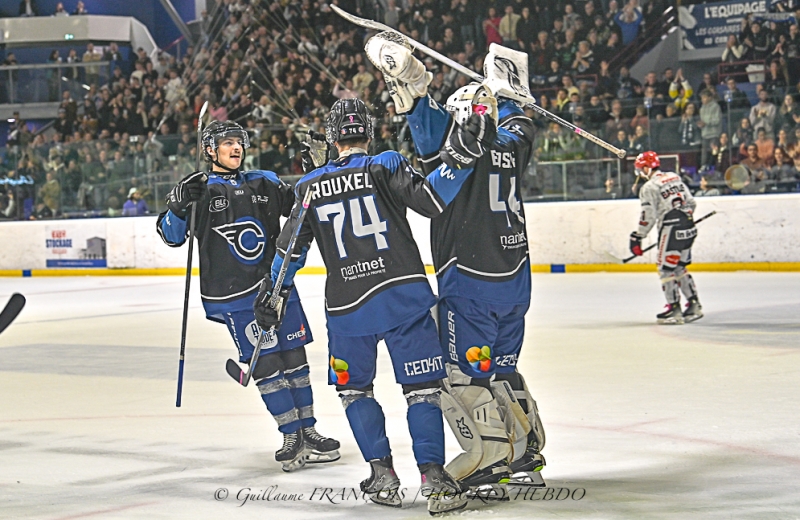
<point>705,190</point>
<point>616,121</point>
<point>789,113</point>
<point>710,123</point>
<point>720,159</point>
<point>709,85</point>
<point>640,119</point>
<point>60,11</point>
<point>765,146</point>
<point>80,9</point>
<point>526,32</point>
<point>743,136</point>
<point>491,28</point>
<point>688,129</point>
<point>92,71</point>
<point>775,81</point>
<point>627,83</point>
<point>781,167</point>
<point>584,59</point>
<point>754,163</point>
<point>508,27</point>
<point>629,21</point>
<point>762,114</point>
<point>680,90</point>
<point>621,141</point>
<point>637,141</point>
<point>28,8</point>
<point>606,85</point>
<point>739,99</point>
<point>135,205</point>
<point>734,51</point>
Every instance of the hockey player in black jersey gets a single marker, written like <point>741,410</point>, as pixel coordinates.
<point>238,223</point>
<point>480,253</point>
<point>376,289</point>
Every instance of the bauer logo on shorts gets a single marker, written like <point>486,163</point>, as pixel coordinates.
<point>246,239</point>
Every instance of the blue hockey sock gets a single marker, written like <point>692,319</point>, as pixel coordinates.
<point>300,387</point>
<point>277,396</point>
<point>427,432</point>
<point>369,428</point>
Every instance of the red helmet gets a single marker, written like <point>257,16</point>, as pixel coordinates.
<point>649,159</point>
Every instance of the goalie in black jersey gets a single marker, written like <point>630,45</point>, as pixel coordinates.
<point>376,289</point>
<point>238,222</point>
<point>480,253</point>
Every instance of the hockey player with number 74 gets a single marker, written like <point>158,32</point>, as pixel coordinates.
<point>376,288</point>
<point>480,253</point>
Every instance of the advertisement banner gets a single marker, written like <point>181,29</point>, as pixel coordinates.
<point>707,26</point>
<point>76,244</point>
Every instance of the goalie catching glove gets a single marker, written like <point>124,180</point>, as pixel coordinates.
<point>405,75</point>
<point>314,151</point>
<point>190,189</point>
<point>266,315</point>
<point>468,142</point>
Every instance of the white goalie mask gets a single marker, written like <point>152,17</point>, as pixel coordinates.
<point>471,99</point>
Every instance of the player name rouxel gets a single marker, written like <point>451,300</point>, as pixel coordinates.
<point>339,185</point>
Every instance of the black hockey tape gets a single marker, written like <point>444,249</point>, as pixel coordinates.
<point>267,365</point>
<point>407,389</point>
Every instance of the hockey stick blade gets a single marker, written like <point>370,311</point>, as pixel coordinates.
<point>235,371</point>
<point>11,310</point>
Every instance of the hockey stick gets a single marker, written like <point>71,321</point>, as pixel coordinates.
<point>651,246</point>
<point>232,367</point>
<point>11,310</point>
<point>528,101</point>
<point>192,220</point>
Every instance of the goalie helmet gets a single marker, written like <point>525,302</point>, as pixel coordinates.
<point>471,99</point>
<point>216,131</point>
<point>349,120</point>
<point>649,159</point>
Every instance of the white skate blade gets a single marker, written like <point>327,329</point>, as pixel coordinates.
<point>293,465</point>
<point>692,317</point>
<point>670,321</point>
<point>321,457</point>
<point>386,497</point>
<point>494,492</point>
<point>445,502</point>
<point>527,478</point>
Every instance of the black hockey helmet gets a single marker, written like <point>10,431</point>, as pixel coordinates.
<point>216,131</point>
<point>349,120</point>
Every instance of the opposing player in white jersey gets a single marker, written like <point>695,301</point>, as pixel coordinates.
<point>667,202</point>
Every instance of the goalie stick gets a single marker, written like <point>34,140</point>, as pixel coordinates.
<point>11,310</point>
<point>528,101</point>
<point>618,260</point>
<point>232,367</point>
<point>192,220</point>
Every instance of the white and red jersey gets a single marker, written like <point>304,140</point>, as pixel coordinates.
<point>661,194</point>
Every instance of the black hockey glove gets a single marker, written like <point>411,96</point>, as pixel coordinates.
<point>469,142</point>
<point>267,316</point>
<point>636,244</point>
<point>314,151</point>
<point>188,190</point>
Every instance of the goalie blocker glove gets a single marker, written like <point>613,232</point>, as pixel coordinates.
<point>188,190</point>
<point>467,143</point>
<point>267,316</point>
<point>636,244</point>
<point>314,151</point>
<point>405,75</point>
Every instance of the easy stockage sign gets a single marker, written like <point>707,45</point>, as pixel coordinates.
<point>707,26</point>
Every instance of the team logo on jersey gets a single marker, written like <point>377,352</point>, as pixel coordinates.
<point>246,239</point>
<point>219,203</point>
<point>298,334</point>
<point>480,358</point>
<point>253,333</point>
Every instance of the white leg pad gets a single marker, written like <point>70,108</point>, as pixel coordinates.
<point>473,415</point>
<point>516,421</point>
<point>533,414</point>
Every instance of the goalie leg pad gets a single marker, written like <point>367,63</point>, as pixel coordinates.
<point>472,413</point>
<point>367,422</point>
<point>528,404</point>
<point>517,424</point>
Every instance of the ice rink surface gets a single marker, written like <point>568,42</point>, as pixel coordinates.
<point>642,421</point>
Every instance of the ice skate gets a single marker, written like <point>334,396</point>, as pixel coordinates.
<point>382,484</point>
<point>443,492</point>
<point>319,449</point>
<point>525,470</point>
<point>694,311</point>
<point>488,483</point>
<point>672,315</point>
<point>292,454</point>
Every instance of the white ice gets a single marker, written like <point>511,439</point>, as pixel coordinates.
<point>693,421</point>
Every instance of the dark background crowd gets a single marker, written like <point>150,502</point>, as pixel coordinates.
<point>277,67</point>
